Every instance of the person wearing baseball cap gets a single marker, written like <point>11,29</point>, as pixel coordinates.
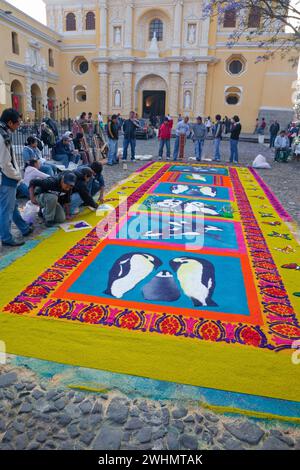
<point>53,195</point>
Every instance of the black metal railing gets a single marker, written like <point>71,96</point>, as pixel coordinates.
<point>20,136</point>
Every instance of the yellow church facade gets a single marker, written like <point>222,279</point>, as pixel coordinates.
<point>152,56</point>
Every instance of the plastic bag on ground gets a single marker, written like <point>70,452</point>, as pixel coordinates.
<point>261,162</point>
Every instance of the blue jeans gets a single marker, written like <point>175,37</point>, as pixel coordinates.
<point>9,212</point>
<point>48,168</point>
<point>198,149</point>
<point>176,148</point>
<point>113,151</point>
<point>162,143</point>
<point>64,159</point>
<point>217,155</point>
<point>272,140</point>
<point>234,153</point>
<point>132,143</point>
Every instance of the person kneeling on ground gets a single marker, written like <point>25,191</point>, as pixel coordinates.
<point>81,194</point>
<point>63,154</point>
<point>282,146</point>
<point>53,195</point>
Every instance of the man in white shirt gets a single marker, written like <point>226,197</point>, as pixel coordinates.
<point>182,131</point>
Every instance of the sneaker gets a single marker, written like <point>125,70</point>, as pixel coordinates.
<point>76,211</point>
<point>132,159</point>
<point>159,158</point>
<point>30,231</point>
<point>13,243</point>
<point>168,158</point>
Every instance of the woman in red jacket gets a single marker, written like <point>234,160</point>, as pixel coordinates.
<point>164,136</point>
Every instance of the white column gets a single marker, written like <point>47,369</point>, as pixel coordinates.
<point>174,89</point>
<point>204,37</point>
<point>60,20</point>
<point>201,89</point>
<point>128,28</point>
<point>103,27</point>
<point>177,32</point>
<point>127,95</point>
<point>103,89</point>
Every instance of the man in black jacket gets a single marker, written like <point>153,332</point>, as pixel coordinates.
<point>234,139</point>
<point>53,195</point>
<point>113,136</point>
<point>129,127</point>
<point>81,193</point>
<point>274,129</point>
<point>217,133</point>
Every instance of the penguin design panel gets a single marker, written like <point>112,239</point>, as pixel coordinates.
<point>197,279</point>
<point>128,271</point>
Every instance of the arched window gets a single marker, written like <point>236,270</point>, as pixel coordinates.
<point>254,17</point>
<point>90,21</point>
<point>70,22</point>
<point>157,27</point>
<point>80,94</point>
<point>233,95</point>
<point>230,18</point>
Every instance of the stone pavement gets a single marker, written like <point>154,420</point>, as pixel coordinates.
<point>34,415</point>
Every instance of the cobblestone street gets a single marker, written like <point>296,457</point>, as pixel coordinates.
<point>35,415</point>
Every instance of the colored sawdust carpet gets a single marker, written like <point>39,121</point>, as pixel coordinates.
<point>190,279</point>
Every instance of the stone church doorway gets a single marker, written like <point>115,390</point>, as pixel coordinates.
<point>154,103</point>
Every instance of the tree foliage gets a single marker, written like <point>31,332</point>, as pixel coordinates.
<point>273,25</point>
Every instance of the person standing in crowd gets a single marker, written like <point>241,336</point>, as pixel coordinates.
<point>282,146</point>
<point>262,127</point>
<point>208,124</point>
<point>182,131</point>
<point>113,137</point>
<point>79,146</point>
<point>129,127</point>
<point>256,126</point>
<point>274,129</point>
<point>227,124</point>
<point>180,118</point>
<point>292,132</point>
<point>100,120</point>
<point>31,151</point>
<point>91,127</point>
<point>217,134</point>
<point>10,175</point>
<point>199,134</point>
<point>234,139</point>
<point>53,195</point>
<point>83,122</point>
<point>164,137</point>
